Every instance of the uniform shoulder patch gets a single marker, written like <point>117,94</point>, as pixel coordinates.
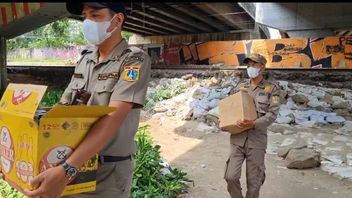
<point>267,88</point>
<point>131,73</point>
<point>275,100</point>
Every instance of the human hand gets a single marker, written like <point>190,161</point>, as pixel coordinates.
<point>51,183</point>
<point>246,123</point>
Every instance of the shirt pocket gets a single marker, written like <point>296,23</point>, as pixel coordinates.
<point>104,89</point>
<point>78,84</point>
<point>263,103</point>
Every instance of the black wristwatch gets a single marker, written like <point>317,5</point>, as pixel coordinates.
<point>70,171</point>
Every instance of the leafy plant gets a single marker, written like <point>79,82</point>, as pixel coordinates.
<point>7,191</point>
<point>52,97</point>
<point>163,93</point>
<point>149,180</point>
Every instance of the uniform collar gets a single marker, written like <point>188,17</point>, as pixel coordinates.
<point>114,55</point>
<point>260,85</point>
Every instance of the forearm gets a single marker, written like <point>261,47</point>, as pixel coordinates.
<point>265,121</point>
<point>99,136</point>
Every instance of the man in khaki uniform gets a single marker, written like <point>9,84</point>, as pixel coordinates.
<point>251,144</point>
<point>115,75</point>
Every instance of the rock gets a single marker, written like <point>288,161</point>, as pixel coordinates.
<point>160,109</point>
<point>337,159</point>
<point>320,142</point>
<point>204,128</point>
<point>287,142</point>
<point>213,82</point>
<point>213,103</point>
<point>341,138</point>
<point>218,94</point>
<point>349,159</point>
<point>314,102</point>
<point>203,166</point>
<point>278,128</point>
<point>165,171</point>
<point>283,95</point>
<point>302,159</point>
<point>201,93</point>
<point>317,118</point>
<point>285,119</point>
<point>300,99</point>
<point>297,144</point>
<point>289,132</point>
<point>346,129</point>
<point>341,171</point>
<point>341,105</point>
<point>187,76</point>
<point>214,112</point>
<point>308,124</point>
<point>328,98</point>
<point>335,119</point>
<point>342,112</point>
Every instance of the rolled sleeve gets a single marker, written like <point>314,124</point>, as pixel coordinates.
<point>266,120</point>
<point>133,90</point>
<point>66,96</point>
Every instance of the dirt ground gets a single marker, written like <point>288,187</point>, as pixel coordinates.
<point>203,155</point>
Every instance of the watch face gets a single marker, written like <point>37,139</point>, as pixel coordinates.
<point>71,172</point>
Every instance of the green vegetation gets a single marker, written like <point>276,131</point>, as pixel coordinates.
<point>7,191</point>
<point>52,97</point>
<point>149,179</point>
<point>62,33</point>
<point>163,93</point>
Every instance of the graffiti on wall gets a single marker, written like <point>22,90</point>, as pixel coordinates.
<point>328,52</point>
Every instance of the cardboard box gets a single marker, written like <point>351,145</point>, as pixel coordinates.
<point>28,148</point>
<point>236,107</point>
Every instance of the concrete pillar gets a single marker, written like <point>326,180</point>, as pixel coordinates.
<point>3,72</point>
<point>255,33</point>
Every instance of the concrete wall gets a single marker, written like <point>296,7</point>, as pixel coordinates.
<point>329,52</point>
<point>70,54</point>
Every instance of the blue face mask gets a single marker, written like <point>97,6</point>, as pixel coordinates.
<point>252,72</point>
<point>96,32</point>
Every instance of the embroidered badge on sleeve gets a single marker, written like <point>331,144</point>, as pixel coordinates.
<point>131,73</point>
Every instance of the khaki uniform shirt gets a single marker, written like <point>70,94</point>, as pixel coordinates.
<point>266,98</point>
<point>123,76</point>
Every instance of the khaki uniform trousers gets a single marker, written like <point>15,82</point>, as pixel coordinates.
<point>255,170</point>
<point>114,180</point>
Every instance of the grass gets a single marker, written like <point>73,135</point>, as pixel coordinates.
<point>39,61</point>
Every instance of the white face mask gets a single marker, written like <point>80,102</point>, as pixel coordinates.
<point>253,72</point>
<point>95,32</point>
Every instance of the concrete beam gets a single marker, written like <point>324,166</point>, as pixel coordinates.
<point>194,38</point>
<point>3,61</point>
<point>48,14</point>
<point>301,16</point>
<point>310,33</point>
<point>170,12</point>
<point>149,15</point>
<point>199,15</point>
<point>235,21</point>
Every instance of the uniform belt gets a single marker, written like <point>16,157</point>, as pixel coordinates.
<point>106,159</point>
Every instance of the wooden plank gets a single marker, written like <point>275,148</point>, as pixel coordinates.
<point>3,72</point>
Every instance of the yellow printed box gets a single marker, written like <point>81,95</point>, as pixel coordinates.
<point>28,148</point>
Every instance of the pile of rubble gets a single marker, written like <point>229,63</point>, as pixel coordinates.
<point>313,127</point>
